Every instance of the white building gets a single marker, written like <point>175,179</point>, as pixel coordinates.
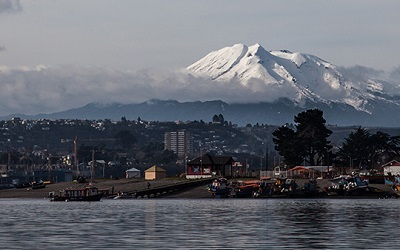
<point>392,167</point>
<point>132,173</point>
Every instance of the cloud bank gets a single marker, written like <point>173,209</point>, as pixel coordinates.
<point>52,89</point>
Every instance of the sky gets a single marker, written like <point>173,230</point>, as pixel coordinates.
<point>56,54</point>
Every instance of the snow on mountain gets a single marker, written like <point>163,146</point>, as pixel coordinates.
<point>282,73</point>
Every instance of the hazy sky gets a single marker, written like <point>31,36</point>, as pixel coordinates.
<point>138,34</point>
<point>117,37</point>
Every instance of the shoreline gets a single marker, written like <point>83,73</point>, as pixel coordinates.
<point>132,185</point>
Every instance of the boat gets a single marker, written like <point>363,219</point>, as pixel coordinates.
<point>395,184</point>
<point>124,195</point>
<point>87,193</point>
<point>219,188</point>
<point>244,189</point>
<point>287,188</point>
<point>38,184</point>
<point>348,185</point>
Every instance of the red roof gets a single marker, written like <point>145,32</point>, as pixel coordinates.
<point>301,169</point>
<point>391,163</point>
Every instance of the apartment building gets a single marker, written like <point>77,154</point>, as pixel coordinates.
<point>181,142</point>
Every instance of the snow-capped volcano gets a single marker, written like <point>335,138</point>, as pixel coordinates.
<point>297,76</point>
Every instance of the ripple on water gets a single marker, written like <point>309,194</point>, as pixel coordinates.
<point>199,224</point>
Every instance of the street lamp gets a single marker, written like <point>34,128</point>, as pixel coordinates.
<point>201,163</point>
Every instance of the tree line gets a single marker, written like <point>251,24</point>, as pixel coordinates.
<point>306,143</point>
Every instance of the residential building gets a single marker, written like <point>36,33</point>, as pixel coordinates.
<point>181,142</point>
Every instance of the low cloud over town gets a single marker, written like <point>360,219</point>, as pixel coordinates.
<point>51,89</point>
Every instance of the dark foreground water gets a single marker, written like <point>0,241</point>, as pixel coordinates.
<point>200,224</point>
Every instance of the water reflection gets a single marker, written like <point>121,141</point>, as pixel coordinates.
<point>200,224</point>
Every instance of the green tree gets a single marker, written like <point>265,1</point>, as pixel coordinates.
<point>363,149</point>
<point>381,145</point>
<point>308,144</point>
<point>355,149</point>
<point>285,144</point>
<point>125,139</point>
<point>221,118</point>
<point>312,135</point>
<point>218,119</point>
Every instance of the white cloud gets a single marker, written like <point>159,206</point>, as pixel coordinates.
<point>51,89</point>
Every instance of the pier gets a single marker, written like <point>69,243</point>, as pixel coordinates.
<point>167,189</point>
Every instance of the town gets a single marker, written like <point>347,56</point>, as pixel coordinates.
<point>62,150</point>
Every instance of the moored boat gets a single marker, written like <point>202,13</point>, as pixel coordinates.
<point>348,185</point>
<point>124,195</point>
<point>288,188</point>
<point>219,188</point>
<point>87,193</point>
<point>244,189</point>
<point>38,184</point>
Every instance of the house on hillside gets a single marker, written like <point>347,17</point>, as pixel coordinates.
<point>207,166</point>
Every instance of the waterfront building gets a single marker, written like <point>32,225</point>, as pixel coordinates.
<point>155,173</point>
<point>392,168</point>
<point>207,166</point>
<point>132,173</point>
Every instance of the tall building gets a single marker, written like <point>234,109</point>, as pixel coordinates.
<point>180,142</point>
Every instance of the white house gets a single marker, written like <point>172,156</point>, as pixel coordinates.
<point>132,173</point>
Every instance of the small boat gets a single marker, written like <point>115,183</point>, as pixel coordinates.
<point>288,188</point>
<point>348,185</point>
<point>124,195</point>
<point>219,188</point>
<point>395,184</point>
<point>244,189</point>
<point>38,184</point>
<point>87,193</point>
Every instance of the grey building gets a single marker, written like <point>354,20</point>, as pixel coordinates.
<point>181,142</point>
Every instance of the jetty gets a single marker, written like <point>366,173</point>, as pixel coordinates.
<point>158,191</point>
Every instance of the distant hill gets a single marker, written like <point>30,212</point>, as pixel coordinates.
<point>277,113</point>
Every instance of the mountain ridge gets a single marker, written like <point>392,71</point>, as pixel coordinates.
<point>276,113</point>
<point>297,76</point>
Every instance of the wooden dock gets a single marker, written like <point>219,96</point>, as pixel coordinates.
<point>167,189</point>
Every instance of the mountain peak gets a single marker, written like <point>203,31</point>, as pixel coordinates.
<point>284,74</point>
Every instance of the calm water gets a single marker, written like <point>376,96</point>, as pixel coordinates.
<point>200,224</point>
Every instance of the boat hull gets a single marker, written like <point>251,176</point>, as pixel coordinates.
<point>78,198</point>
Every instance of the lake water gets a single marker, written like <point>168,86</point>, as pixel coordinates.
<point>200,224</point>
